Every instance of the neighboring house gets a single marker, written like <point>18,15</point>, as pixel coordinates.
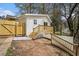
<point>32,21</point>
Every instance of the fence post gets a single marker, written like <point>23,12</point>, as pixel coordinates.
<point>15,29</point>
<point>51,37</point>
<point>77,50</point>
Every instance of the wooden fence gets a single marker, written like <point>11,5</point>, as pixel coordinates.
<point>11,28</point>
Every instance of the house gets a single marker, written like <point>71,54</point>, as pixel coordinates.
<point>35,22</point>
<point>9,17</point>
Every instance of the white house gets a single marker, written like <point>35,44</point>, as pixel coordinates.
<point>33,20</point>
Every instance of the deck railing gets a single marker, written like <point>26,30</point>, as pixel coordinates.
<point>67,46</point>
<point>42,28</point>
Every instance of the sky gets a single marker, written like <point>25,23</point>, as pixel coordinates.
<point>8,8</point>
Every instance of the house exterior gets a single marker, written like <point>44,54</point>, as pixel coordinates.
<point>32,21</point>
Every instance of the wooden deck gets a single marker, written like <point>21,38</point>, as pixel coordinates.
<point>60,42</point>
<point>47,32</point>
<point>42,28</point>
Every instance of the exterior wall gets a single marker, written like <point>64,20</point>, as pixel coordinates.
<point>30,23</point>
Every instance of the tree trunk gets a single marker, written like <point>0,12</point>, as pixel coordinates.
<point>76,38</point>
<point>69,20</point>
<point>76,34</point>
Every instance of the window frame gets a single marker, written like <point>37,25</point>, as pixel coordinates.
<point>35,21</point>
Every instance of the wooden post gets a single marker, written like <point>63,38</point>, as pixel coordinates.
<point>51,37</point>
<point>15,29</point>
<point>38,28</point>
<point>77,50</point>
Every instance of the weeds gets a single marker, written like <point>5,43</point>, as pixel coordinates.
<point>9,52</point>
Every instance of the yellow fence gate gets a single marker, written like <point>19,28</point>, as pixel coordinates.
<point>11,28</point>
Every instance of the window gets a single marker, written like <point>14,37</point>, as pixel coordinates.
<point>45,23</point>
<point>35,21</point>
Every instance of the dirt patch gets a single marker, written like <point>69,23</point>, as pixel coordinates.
<point>40,47</point>
<point>5,43</point>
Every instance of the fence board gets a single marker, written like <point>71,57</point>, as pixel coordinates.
<point>9,28</point>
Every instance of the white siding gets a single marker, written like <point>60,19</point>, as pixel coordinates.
<point>30,23</point>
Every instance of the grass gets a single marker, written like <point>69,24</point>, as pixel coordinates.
<point>9,52</point>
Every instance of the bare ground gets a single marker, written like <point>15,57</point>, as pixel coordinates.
<point>40,47</point>
<point>5,43</point>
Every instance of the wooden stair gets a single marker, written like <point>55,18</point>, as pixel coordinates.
<point>33,34</point>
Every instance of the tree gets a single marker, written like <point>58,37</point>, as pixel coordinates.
<point>68,12</point>
<point>25,7</point>
<point>56,18</point>
<point>76,29</point>
<point>42,8</point>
